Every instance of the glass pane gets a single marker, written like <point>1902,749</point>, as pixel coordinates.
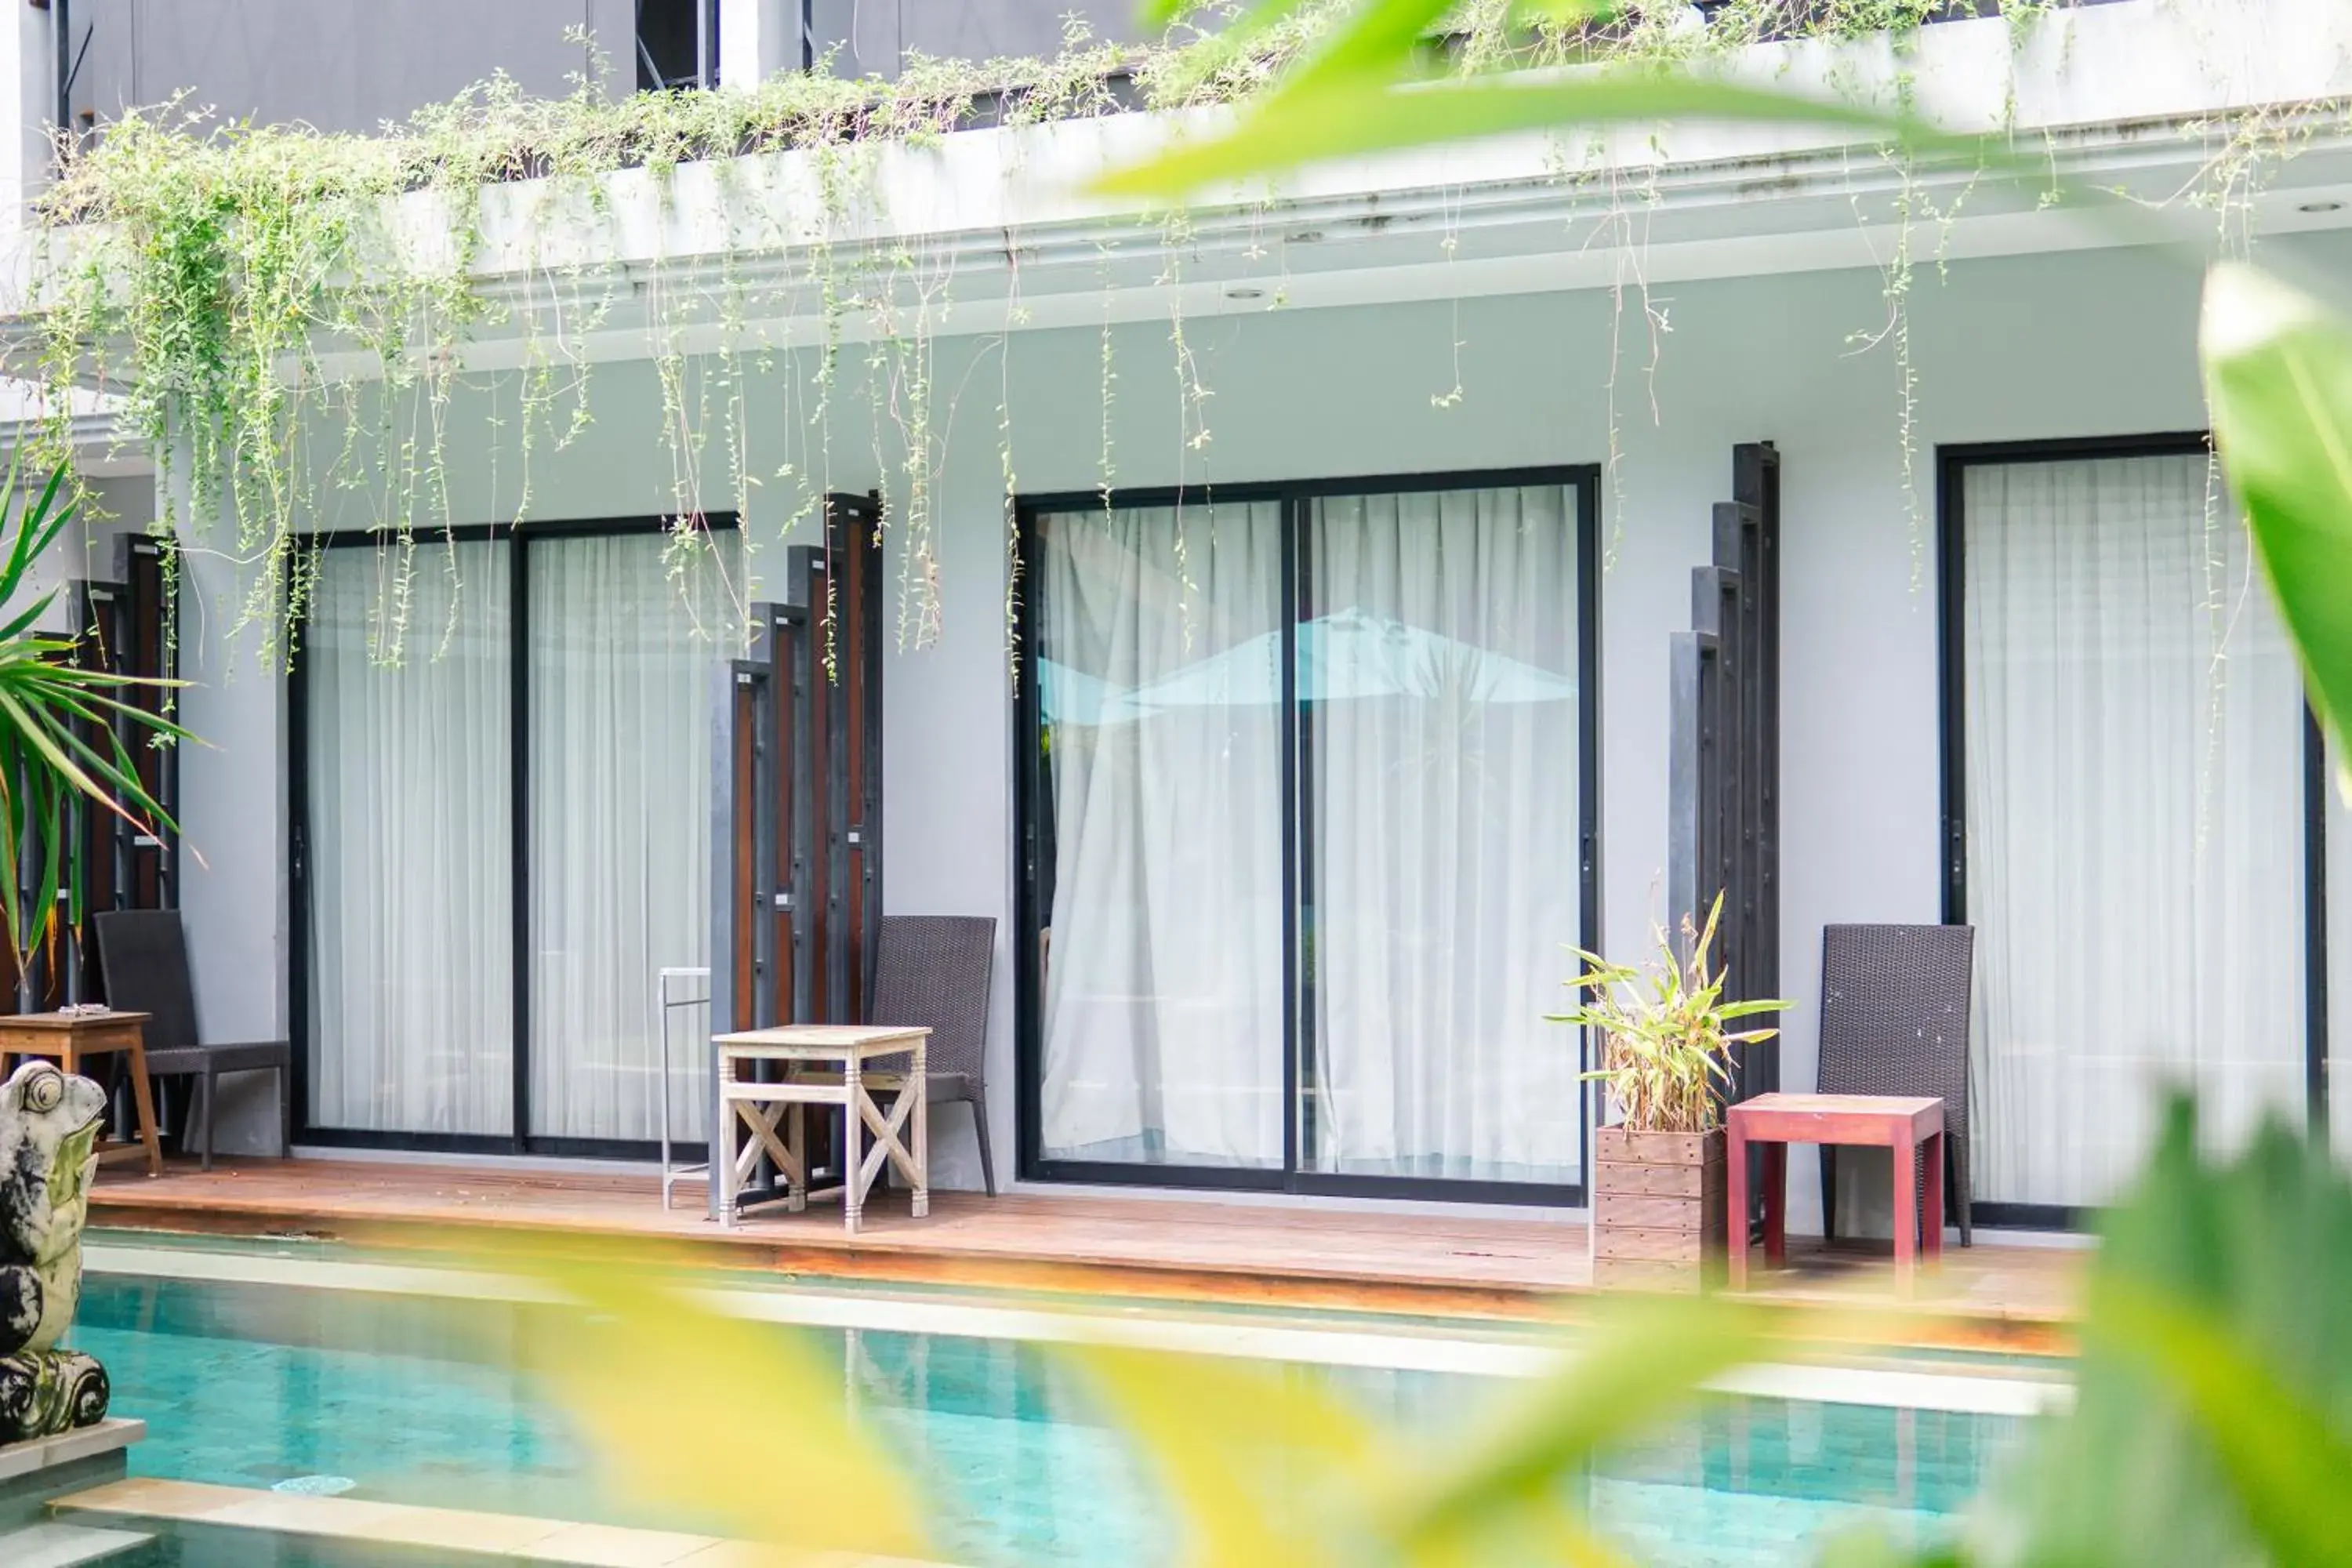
<point>625,632</point>
<point>2133,738</point>
<point>1437,680</point>
<point>1160,834</point>
<point>411,918</point>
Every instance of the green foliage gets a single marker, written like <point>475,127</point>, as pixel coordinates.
<point>1666,1050</point>
<point>62,727</point>
<point>2213,1421</point>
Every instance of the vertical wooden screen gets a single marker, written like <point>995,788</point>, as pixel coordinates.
<point>1722,779</point>
<point>797,821</point>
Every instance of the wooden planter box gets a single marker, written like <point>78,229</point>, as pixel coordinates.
<point>1657,1209</point>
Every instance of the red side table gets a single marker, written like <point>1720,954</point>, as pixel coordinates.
<point>1897,1122</point>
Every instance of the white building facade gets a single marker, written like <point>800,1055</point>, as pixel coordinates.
<point>1343,528</point>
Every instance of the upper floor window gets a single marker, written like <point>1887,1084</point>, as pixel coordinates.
<point>677,44</point>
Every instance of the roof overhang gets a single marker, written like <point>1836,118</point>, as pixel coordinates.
<point>2157,106</point>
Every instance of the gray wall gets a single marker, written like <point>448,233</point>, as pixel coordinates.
<point>339,65</point>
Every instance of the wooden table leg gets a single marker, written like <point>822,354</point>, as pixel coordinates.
<point>1907,1210</point>
<point>1735,1203</point>
<point>142,1098</point>
<point>1932,1200</point>
<point>730,1211</point>
<point>1775,1205</point>
<point>918,1085</point>
<point>853,1158</point>
<point>796,1140</point>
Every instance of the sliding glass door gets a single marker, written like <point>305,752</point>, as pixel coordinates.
<point>404,857</point>
<point>1159,634</point>
<point>619,748</point>
<point>539,746</point>
<point>2134,782</point>
<point>1304,818</point>
<point>1437,684</point>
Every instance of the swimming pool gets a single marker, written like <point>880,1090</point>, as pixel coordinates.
<point>412,1398</point>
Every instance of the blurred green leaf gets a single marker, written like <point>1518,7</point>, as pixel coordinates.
<point>1347,118</point>
<point>2278,378</point>
<point>2292,1476</point>
<point>733,1421</point>
<point>2214,1388</point>
<point>1640,1363</point>
<point>1261,1465</point>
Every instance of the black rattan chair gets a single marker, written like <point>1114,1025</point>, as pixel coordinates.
<point>144,959</point>
<point>1894,1020</point>
<point>933,971</point>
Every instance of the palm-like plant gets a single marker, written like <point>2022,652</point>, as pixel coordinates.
<point>1665,1052</point>
<point>64,728</point>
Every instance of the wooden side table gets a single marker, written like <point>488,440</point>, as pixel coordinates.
<point>1897,1122</point>
<point>823,1064</point>
<point>66,1038</point>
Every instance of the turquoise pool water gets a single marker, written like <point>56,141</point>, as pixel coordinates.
<point>418,1400</point>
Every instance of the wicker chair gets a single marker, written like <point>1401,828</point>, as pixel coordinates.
<point>144,959</point>
<point>1894,1020</point>
<point>933,971</point>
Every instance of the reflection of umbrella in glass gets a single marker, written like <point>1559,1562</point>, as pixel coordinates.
<point>1066,696</point>
<point>1349,654</point>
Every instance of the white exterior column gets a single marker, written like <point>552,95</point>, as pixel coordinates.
<point>757,39</point>
<point>28,93</point>
<point>233,899</point>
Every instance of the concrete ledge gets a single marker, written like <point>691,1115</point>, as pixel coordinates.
<point>33,1473</point>
<point>354,1521</point>
<point>109,1436</point>
<point>53,1545</point>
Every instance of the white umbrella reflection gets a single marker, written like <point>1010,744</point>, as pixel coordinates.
<point>1352,653</point>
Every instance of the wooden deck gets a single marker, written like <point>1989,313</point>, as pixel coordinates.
<point>1167,1248</point>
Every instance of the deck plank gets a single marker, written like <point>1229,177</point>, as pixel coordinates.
<point>1374,1259</point>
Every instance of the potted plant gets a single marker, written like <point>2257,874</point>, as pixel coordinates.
<point>1665,1056</point>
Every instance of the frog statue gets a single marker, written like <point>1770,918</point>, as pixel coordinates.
<point>48,1138</point>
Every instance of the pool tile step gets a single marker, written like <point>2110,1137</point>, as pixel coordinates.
<point>55,1545</point>
<point>498,1537</point>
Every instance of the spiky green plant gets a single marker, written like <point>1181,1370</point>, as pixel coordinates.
<point>65,728</point>
<point>1667,1048</point>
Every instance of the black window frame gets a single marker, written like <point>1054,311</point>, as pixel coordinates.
<point>1952,463</point>
<point>1296,497</point>
<point>521,1141</point>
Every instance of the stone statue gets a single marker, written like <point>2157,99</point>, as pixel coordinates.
<point>49,1139</point>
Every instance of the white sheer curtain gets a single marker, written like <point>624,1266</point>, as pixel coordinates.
<point>412,998</point>
<point>2135,806</point>
<point>1438,670</point>
<point>1160,641</point>
<point>620,659</point>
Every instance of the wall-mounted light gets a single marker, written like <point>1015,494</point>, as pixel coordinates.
<point>1244,292</point>
<point>1304,237</point>
<point>2316,207</point>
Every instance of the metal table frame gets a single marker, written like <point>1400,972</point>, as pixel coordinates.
<point>665,1005</point>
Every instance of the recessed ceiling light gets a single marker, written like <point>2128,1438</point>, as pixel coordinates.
<point>1304,237</point>
<point>1244,293</point>
<point>2321,207</point>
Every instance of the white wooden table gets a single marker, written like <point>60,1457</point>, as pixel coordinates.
<point>823,1064</point>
